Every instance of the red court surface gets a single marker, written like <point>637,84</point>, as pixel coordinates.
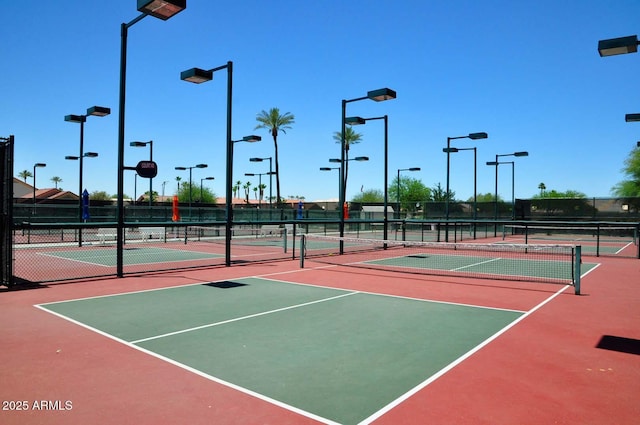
<point>571,360</point>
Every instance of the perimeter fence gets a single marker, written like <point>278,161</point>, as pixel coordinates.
<point>50,252</point>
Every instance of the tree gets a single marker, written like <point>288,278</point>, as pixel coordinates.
<point>412,193</point>
<point>350,138</point>
<point>25,174</point>
<point>100,195</point>
<point>570,203</point>
<point>486,197</point>
<point>629,188</point>
<point>369,196</point>
<point>236,189</point>
<point>542,188</point>
<point>178,180</point>
<point>439,194</point>
<point>145,196</point>
<point>56,180</point>
<point>246,188</point>
<point>262,187</point>
<point>274,122</point>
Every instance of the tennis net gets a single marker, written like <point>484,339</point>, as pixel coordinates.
<point>260,237</point>
<point>597,238</point>
<point>523,262</point>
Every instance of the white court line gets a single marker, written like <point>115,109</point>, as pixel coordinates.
<point>196,371</point>
<point>476,264</point>
<point>224,322</point>
<point>455,363</point>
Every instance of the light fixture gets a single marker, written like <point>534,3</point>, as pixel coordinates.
<point>161,9</point>
<point>196,75</point>
<point>381,94</point>
<point>632,117</point>
<point>476,136</point>
<point>354,121</point>
<point>75,118</point>
<point>251,139</point>
<point>98,111</point>
<point>618,46</point>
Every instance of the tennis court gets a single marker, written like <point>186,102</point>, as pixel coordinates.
<point>537,263</point>
<point>328,343</point>
<point>337,356</point>
<point>132,255</point>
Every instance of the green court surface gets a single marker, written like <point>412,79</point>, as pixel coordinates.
<point>140,255</point>
<point>486,265</point>
<point>332,355</point>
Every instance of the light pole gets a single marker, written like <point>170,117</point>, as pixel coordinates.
<point>259,181</point>
<point>475,181</point>
<point>271,173</point>
<point>206,178</point>
<point>360,121</point>
<point>495,163</point>
<point>161,9</point>
<point>198,76</point>
<point>79,159</point>
<point>36,165</point>
<point>513,180</point>
<point>398,183</point>
<point>190,180</point>
<point>96,111</point>
<point>447,150</point>
<point>141,145</point>
<point>378,95</point>
<point>333,168</point>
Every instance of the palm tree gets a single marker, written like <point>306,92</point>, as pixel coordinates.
<point>350,137</point>
<point>274,122</point>
<point>262,187</point>
<point>56,180</point>
<point>542,188</point>
<point>236,189</point>
<point>25,174</point>
<point>178,180</point>
<point>246,187</point>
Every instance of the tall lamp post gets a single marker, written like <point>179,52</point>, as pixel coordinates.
<point>475,180</point>
<point>161,9</point>
<point>96,111</point>
<point>259,181</point>
<point>201,180</point>
<point>378,95</point>
<point>447,150</point>
<point>36,165</point>
<point>271,173</point>
<point>361,121</point>
<point>198,76</point>
<point>141,145</point>
<point>330,169</point>
<point>190,182</point>
<point>496,163</point>
<point>398,183</point>
<point>80,190</point>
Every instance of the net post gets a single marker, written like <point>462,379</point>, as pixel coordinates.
<point>577,263</point>
<point>303,249</point>
<point>284,237</point>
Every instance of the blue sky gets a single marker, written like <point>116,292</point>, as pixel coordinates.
<point>527,73</point>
